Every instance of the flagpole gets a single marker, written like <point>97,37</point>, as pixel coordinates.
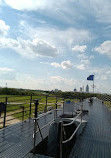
<point>91,78</point>
<point>93,84</point>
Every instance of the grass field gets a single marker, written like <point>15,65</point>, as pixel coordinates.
<point>15,104</point>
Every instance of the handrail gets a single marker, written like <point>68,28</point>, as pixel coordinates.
<point>72,134</point>
<point>42,115</point>
<point>64,125</point>
<point>45,125</point>
<point>39,129</point>
<point>68,124</point>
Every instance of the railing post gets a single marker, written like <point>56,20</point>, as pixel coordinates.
<point>5,111</point>
<point>46,103</point>
<point>63,104</point>
<point>81,110</point>
<point>56,108</point>
<point>34,135</point>
<point>61,138</point>
<point>22,113</point>
<point>30,106</point>
<point>35,123</point>
<point>36,108</point>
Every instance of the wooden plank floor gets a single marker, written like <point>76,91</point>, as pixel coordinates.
<point>95,142</point>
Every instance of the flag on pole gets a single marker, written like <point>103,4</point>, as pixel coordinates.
<point>91,78</point>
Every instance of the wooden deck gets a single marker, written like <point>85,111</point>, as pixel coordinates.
<point>16,141</point>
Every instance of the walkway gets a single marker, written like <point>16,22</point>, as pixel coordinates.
<point>95,142</point>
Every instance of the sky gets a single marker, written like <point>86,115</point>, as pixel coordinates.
<point>52,44</point>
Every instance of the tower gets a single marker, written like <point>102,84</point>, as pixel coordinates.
<point>87,88</point>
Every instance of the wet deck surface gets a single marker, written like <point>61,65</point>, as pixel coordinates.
<point>95,142</point>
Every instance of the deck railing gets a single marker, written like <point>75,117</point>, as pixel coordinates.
<point>62,125</point>
<point>14,109</point>
<point>106,99</point>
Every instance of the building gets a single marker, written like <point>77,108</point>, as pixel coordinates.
<point>87,88</point>
<point>81,89</point>
<point>75,90</point>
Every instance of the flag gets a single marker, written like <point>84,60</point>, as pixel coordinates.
<point>91,78</point>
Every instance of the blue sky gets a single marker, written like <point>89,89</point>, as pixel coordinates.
<point>55,44</point>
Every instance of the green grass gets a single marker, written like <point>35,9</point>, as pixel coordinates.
<point>15,103</point>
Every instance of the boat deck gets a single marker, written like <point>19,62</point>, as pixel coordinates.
<point>16,141</point>
<point>95,141</point>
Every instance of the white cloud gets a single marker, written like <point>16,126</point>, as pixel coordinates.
<point>85,61</point>
<point>4,70</point>
<point>78,48</point>
<point>61,38</point>
<point>64,10</point>
<point>104,48</point>
<point>36,47</point>
<point>3,28</point>
<point>55,64</point>
<point>101,10</point>
<point>26,5</point>
<point>104,77</point>
<point>58,80</point>
<point>81,67</point>
<point>64,64</point>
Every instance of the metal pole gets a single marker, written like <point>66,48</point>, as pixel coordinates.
<point>81,111</point>
<point>23,113</point>
<point>61,138</point>
<point>36,108</point>
<point>30,106</point>
<point>56,108</point>
<point>34,135</point>
<point>46,104</point>
<point>5,110</point>
<point>63,105</point>
<point>35,124</point>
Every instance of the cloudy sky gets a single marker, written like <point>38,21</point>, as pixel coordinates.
<point>55,44</point>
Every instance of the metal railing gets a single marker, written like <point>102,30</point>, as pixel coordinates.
<point>106,99</point>
<point>62,125</point>
<point>36,124</point>
<point>14,109</point>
